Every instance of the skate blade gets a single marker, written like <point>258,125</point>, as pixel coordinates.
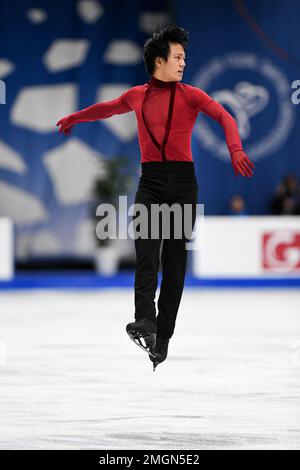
<point>149,339</point>
<point>136,339</point>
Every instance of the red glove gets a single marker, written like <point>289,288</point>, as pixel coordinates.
<point>241,163</point>
<point>66,124</point>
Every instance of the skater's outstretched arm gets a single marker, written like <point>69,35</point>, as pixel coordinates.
<point>93,113</point>
<point>204,103</point>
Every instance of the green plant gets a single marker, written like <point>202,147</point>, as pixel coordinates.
<point>117,180</point>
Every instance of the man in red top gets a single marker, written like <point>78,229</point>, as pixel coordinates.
<point>166,111</point>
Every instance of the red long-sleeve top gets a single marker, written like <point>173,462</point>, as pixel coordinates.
<point>166,113</point>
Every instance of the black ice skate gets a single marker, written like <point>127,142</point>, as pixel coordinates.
<point>160,352</point>
<point>143,334</point>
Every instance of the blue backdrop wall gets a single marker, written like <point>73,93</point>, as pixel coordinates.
<point>245,54</point>
<point>59,56</point>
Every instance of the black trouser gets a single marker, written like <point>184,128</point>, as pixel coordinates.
<point>163,182</point>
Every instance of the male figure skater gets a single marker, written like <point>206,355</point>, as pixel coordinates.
<point>166,111</point>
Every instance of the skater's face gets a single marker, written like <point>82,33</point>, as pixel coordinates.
<point>172,69</point>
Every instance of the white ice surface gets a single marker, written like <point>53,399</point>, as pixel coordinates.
<point>70,378</point>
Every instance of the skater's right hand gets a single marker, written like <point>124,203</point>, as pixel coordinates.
<point>66,124</point>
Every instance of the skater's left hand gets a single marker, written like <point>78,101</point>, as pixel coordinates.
<point>241,164</point>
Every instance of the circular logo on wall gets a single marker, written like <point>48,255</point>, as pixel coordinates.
<point>266,89</point>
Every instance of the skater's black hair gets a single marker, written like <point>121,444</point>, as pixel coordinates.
<point>159,44</point>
